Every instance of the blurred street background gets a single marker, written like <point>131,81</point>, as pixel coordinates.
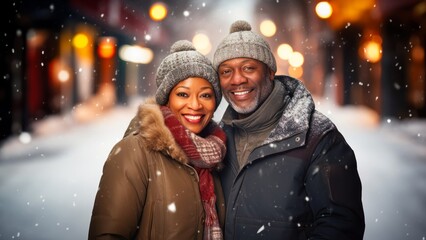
<point>74,71</point>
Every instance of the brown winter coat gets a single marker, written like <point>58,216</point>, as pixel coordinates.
<point>148,190</point>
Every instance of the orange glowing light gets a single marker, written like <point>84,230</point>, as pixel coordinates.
<point>158,11</point>
<point>106,47</point>
<point>371,49</point>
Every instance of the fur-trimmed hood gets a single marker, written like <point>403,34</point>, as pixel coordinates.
<point>149,125</point>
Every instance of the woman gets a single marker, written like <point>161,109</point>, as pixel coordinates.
<point>158,181</point>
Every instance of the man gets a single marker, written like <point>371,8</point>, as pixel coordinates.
<point>289,172</point>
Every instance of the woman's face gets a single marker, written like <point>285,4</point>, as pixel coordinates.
<point>193,103</point>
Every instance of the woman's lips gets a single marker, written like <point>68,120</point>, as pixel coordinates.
<point>193,118</point>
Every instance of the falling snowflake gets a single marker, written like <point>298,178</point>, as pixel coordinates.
<point>316,170</point>
<point>172,207</point>
<point>117,151</point>
<point>261,229</point>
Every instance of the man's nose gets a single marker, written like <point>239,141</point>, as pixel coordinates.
<point>238,78</point>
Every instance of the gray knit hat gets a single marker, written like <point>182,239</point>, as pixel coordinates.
<point>184,62</point>
<point>242,42</point>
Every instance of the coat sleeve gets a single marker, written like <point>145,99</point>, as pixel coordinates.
<point>334,190</point>
<point>121,195</point>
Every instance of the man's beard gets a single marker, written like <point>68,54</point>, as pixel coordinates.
<point>257,101</point>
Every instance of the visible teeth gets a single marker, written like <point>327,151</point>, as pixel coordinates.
<point>241,93</point>
<point>193,117</point>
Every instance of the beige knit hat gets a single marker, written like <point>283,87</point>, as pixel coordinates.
<point>242,42</point>
<point>184,62</point>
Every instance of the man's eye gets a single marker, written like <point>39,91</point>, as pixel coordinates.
<point>224,72</point>
<point>248,68</point>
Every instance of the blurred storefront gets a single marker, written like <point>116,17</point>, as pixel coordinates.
<point>365,52</point>
<point>379,48</point>
<point>63,57</point>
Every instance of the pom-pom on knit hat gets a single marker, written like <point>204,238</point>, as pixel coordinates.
<point>184,62</point>
<point>243,43</point>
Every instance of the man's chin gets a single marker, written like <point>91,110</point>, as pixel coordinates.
<point>242,109</point>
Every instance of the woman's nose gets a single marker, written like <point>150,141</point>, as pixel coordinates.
<point>194,103</point>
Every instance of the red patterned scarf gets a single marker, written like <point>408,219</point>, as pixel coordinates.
<point>204,153</point>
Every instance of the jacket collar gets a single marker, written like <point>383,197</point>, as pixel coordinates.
<point>299,107</point>
<point>297,113</point>
<point>149,126</point>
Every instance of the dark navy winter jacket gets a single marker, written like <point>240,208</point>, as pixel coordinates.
<point>301,183</point>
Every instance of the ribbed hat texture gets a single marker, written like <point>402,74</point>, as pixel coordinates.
<point>184,62</point>
<point>242,42</point>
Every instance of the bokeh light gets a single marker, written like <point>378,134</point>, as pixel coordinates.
<point>268,28</point>
<point>106,47</point>
<point>136,54</point>
<point>284,51</point>
<point>371,49</point>
<point>324,9</point>
<point>202,43</point>
<point>158,11</point>
<point>80,40</point>
<point>296,59</point>
<point>296,72</point>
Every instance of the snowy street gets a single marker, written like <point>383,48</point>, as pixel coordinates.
<point>48,185</point>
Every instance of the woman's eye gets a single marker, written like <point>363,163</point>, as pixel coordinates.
<point>207,95</point>
<point>181,94</point>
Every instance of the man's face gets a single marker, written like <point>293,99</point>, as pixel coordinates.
<point>246,83</point>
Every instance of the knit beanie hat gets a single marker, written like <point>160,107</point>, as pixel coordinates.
<point>242,42</point>
<point>184,62</point>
